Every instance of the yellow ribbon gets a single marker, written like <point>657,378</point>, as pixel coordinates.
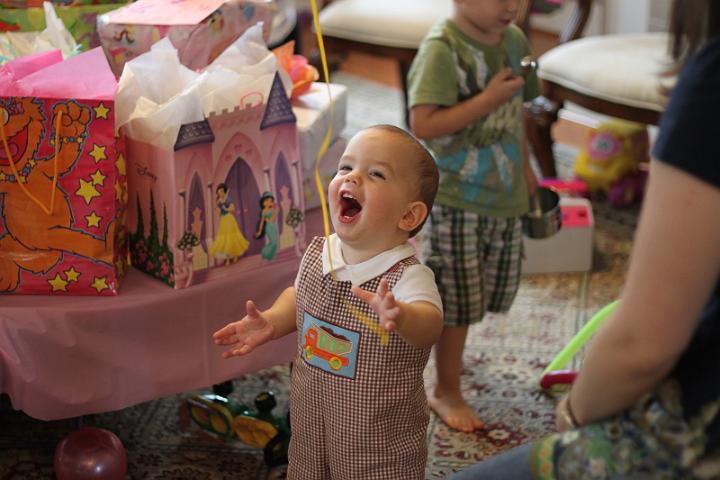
<point>14,169</point>
<point>372,325</point>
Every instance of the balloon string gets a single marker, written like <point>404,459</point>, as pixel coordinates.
<point>21,182</point>
<point>368,322</point>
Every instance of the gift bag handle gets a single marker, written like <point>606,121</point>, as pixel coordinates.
<point>13,167</point>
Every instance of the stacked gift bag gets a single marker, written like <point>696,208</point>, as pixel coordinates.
<point>62,177</point>
<point>79,16</point>
<point>199,31</point>
<point>55,36</point>
<point>214,174</point>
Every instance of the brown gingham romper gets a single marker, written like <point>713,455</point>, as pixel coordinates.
<point>358,409</point>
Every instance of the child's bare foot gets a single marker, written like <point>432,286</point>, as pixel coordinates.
<point>454,410</point>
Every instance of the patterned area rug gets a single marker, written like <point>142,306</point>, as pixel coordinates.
<point>504,358</point>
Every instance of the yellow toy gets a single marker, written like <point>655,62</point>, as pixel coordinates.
<point>610,161</point>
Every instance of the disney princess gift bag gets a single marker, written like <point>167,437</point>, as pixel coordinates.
<point>199,30</point>
<point>62,177</point>
<point>215,181</point>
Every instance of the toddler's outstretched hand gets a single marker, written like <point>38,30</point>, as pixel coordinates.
<point>383,302</point>
<point>252,331</point>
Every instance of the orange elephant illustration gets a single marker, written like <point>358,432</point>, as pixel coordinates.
<point>36,239</point>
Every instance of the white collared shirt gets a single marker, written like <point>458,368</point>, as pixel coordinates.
<point>416,284</point>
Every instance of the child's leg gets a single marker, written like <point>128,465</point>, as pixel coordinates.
<point>445,398</point>
<point>502,261</point>
<point>452,251</point>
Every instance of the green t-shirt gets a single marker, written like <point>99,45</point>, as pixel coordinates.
<point>481,166</point>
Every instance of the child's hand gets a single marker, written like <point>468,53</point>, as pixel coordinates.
<point>383,302</point>
<point>503,86</point>
<point>250,332</point>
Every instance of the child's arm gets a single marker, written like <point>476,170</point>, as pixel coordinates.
<point>433,121</point>
<point>419,323</point>
<point>257,328</point>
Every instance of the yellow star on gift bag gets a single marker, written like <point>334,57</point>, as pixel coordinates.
<point>101,111</point>
<point>98,178</point>
<point>98,152</point>
<point>100,284</point>
<point>93,220</point>
<point>120,266</point>
<point>72,274</point>
<point>87,191</point>
<point>58,284</point>
<point>120,164</point>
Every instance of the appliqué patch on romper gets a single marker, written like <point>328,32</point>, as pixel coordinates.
<point>329,347</point>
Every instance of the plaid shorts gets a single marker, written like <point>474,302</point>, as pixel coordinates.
<point>476,261</point>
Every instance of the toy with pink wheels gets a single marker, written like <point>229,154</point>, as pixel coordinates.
<point>554,373</point>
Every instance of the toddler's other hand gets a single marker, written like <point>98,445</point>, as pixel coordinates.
<point>503,85</point>
<point>250,332</point>
<point>382,302</point>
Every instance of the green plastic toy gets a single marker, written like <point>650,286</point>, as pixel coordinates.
<point>257,428</point>
<point>581,338</point>
<point>553,373</point>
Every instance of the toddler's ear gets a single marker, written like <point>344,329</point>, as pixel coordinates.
<point>415,213</point>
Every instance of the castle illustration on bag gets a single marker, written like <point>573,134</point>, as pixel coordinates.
<point>230,193</point>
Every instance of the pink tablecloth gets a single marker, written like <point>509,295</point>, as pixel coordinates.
<point>71,356</point>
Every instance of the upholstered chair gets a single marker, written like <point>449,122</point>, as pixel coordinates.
<point>615,75</point>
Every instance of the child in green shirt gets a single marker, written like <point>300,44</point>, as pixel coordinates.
<point>466,95</point>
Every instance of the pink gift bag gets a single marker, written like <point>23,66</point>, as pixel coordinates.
<point>62,177</point>
<point>227,196</point>
<point>200,31</point>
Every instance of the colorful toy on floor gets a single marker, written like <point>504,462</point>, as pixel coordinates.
<point>257,428</point>
<point>553,373</point>
<point>611,161</point>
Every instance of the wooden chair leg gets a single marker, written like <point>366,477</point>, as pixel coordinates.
<point>540,114</point>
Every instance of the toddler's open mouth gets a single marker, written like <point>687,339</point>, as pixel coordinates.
<point>349,207</point>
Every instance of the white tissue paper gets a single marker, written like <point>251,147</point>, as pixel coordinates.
<point>157,94</point>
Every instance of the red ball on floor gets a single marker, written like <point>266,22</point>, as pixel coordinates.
<point>90,453</point>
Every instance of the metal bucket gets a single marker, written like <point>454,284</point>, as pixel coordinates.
<point>544,218</point>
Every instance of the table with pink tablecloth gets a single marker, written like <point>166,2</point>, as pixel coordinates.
<point>68,356</point>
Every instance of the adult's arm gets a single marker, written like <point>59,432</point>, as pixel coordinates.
<point>674,266</point>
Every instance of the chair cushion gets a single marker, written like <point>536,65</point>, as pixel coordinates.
<point>623,69</point>
<point>392,23</point>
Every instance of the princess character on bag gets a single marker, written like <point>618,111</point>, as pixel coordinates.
<point>267,225</point>
<point>229,242</point>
